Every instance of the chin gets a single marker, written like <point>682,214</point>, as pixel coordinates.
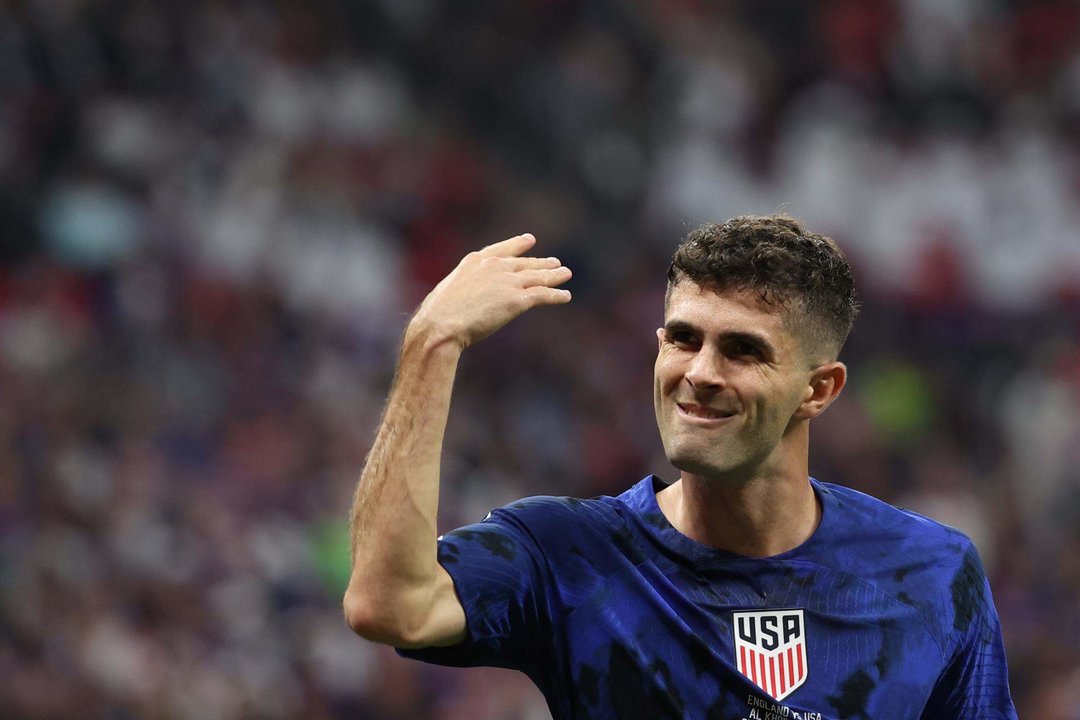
<point>707,460</point>
<point>697,464</point>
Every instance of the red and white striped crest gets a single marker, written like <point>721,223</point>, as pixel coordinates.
<point>770,649</point>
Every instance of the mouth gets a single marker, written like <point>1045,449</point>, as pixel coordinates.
<point>701,413</point>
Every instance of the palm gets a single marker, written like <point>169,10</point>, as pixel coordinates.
<point>489,288</point>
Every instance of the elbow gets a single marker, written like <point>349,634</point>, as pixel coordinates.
<point>362,616</point>
<point>378,620</point>
<point>357,616</point>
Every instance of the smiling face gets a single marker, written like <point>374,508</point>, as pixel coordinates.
<point>732,384</point>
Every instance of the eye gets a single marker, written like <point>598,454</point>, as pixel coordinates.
<point>743,349</point>
<point>681,338</point>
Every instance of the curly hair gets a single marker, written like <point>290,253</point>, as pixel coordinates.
<point>804,272</point>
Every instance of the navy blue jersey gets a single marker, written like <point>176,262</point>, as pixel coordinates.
<point>613,613</point>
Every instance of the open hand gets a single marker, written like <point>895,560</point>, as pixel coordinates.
<point>488,289</point>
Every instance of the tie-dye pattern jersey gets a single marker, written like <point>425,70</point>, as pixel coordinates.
<point>613,613</point>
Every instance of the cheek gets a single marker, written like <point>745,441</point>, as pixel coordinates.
<point>665,374</point>
<point>775,400</point>
<point>782,403</point>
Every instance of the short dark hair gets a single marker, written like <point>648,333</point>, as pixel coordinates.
<point>804,272</point>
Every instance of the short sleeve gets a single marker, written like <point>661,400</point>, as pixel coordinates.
<point>975,682</point>
<point>497,571</point>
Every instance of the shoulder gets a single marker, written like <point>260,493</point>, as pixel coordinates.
<point>595,536</point>
<point>915,559</point>
<point>543,515</point>
<point>554,522</point>
<point>864,519</point>
<point>540,508</point>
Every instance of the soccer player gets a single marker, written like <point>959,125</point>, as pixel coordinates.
<point>743,589</point>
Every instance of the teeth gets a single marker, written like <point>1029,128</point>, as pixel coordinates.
<point>705,413</point>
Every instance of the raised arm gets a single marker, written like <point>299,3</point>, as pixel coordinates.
<point>398,593</point>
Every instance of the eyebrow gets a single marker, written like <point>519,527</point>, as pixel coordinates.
<point>746,336</point>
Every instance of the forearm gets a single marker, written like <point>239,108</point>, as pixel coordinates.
<point>393,519</point>
<point>398,593</point>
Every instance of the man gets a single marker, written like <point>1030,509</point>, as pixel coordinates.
<point>744,589</point>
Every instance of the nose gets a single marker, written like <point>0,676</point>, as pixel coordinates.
<point>705,371</point>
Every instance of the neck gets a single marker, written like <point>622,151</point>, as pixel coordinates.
<point>761,516</point>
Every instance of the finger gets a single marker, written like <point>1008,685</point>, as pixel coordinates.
<point>540,295</point>
<point>546,277</point>
<point>511,247</point>
<point>517,264</point>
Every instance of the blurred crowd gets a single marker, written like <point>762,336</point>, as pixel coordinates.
<point>215,218</point>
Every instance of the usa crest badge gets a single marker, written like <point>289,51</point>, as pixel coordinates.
<point>770,649</point>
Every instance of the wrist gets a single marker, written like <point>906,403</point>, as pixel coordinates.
<point>425,336</point>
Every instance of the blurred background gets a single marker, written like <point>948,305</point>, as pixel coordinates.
<point>215,218</point>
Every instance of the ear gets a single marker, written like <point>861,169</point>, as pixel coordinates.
<point>659,338</point>
<point>826,382</point>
